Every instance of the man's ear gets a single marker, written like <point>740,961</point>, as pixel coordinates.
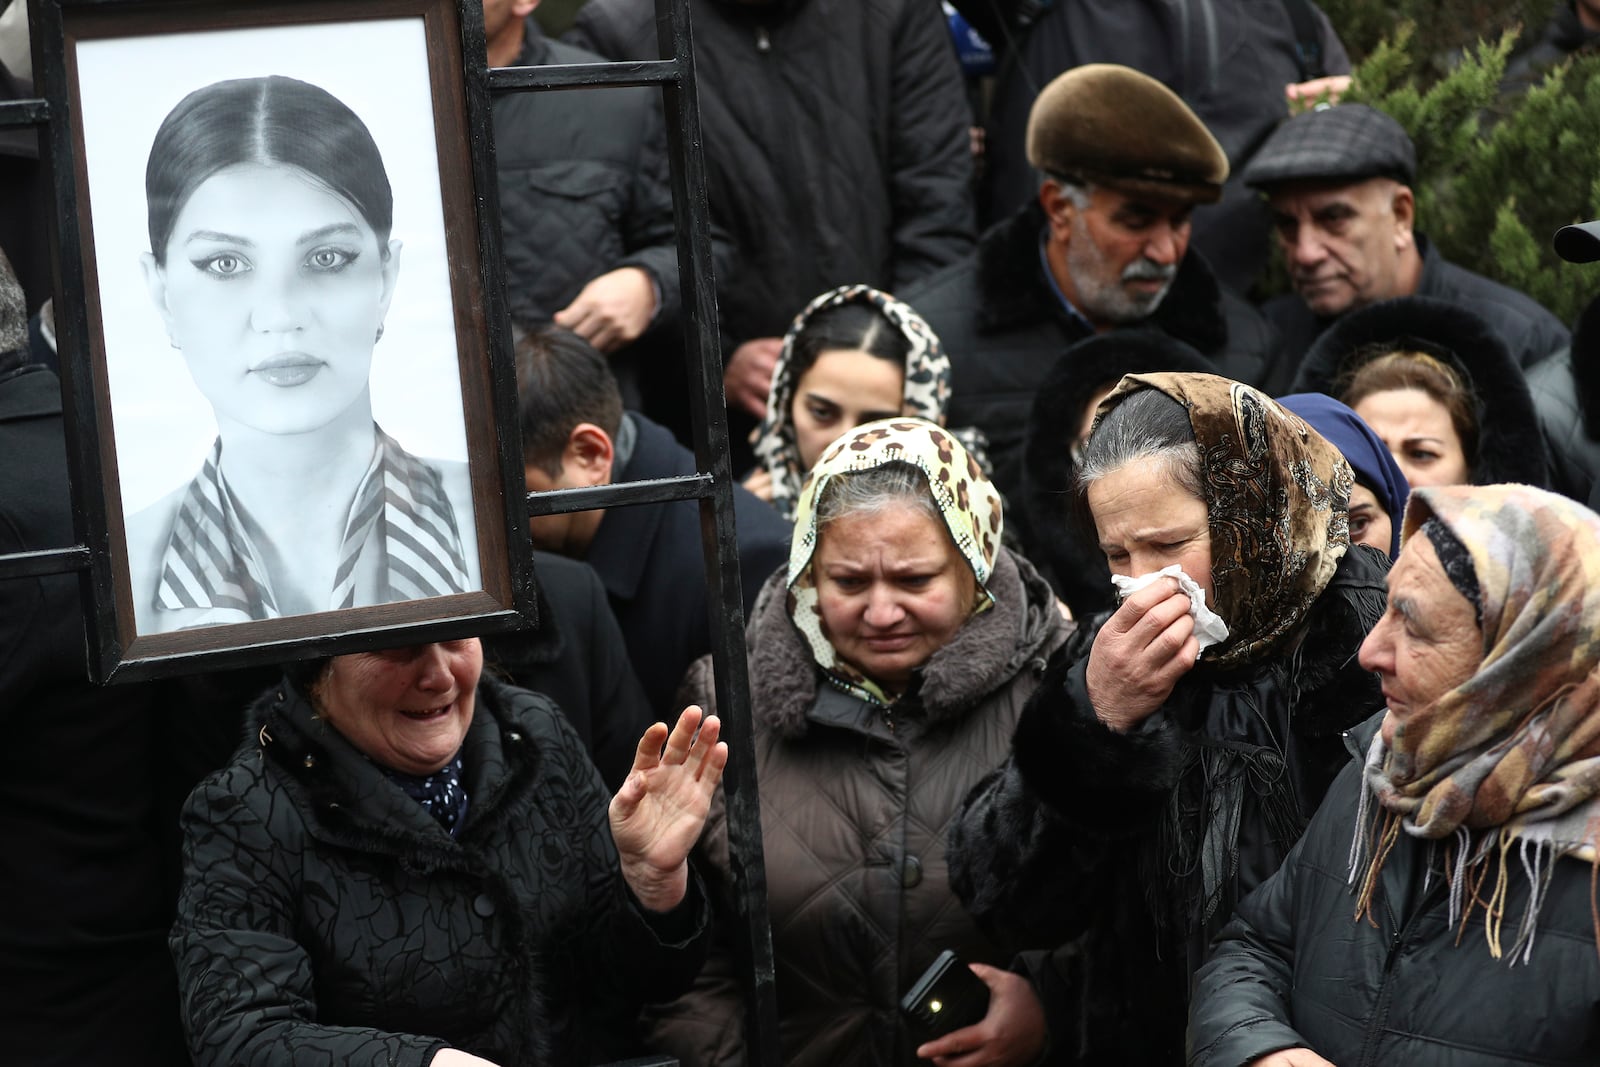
<point>589,455</point>
<point>1058,209</point>
<point>1404,208</point>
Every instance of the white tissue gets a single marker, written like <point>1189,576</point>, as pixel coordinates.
<point>1209,629</point>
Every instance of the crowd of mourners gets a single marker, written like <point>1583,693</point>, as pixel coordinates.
<point>1218,678</point>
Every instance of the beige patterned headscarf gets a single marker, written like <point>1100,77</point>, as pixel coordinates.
<point>926,393</point>
<point>1511,756</point>
<point>1277,505</point>
<point>966,499</point>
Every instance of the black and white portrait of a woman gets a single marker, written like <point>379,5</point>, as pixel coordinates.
<point>314,459</point>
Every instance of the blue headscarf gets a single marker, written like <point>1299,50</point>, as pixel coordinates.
<point>1374,465</point>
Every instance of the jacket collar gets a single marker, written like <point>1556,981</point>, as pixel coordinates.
<point>1016,293</point>
<point>347,800</point>
<point>29,391</point>
<point>620,551</point>
<point>535,45</point>
<point>985,652</point>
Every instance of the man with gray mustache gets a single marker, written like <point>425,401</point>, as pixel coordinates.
<point>1122,163</point>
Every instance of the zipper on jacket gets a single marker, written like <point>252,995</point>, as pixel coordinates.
<point>763,40</point>
<point>1380,1013</point>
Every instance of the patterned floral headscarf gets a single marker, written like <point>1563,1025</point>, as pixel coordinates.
<point>1277,503</point>
<point>1515,749</point>
<point>966,499</point>
<point>927,388</point>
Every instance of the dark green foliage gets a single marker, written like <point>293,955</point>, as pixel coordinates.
<point>1497,176</point>
<point>1444,27</point>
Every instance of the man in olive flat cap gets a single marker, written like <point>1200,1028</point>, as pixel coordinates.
<point>1338,183</point>
<point>1122,164</point>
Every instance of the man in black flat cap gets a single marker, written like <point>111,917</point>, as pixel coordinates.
<point>1123,163</point>
<point>1338,183</point>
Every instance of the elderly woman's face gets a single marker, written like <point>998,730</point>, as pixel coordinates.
<point>405,708</point>
<point>1146,520</point>
<point>841,390</point>
<point>1417,430</point>
<point>892,590</point>
<point>275,288</point>
<point>1428,641</point>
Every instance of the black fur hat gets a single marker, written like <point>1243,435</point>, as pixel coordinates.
<point>1056,536</point>
<point>1511,445</point>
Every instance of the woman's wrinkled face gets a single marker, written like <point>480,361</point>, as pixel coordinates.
<point>405,708</point>
<point>1146,521</point>
<point>1428,641</point>
<point>1417,430</point>
<point>844,388</point>
<point>1369,523</point>
<point>274,287</point>
<point>892,590</point>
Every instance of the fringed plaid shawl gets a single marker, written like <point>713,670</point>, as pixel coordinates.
<point>1506,767</point>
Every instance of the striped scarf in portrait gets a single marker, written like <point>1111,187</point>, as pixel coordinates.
<point>211,562</point>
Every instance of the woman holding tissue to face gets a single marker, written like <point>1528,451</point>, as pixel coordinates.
<point>1158,778</point>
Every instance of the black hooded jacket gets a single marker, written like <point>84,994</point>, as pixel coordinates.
<point>997,315</point>
<point>1511,443</point>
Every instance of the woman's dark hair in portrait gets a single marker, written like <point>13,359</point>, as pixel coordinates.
<point>271,120</point>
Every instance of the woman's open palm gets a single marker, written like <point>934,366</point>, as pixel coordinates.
<point>657,815</point>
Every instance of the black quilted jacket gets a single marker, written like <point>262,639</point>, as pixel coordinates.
<point>836,142</point>
<point>326,918</point>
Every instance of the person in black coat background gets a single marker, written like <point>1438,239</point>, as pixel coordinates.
<point>586,215</point>
<point>1104,246</point>
<point>650,557</point>
<point>837,152</point>
<point>89,829</point>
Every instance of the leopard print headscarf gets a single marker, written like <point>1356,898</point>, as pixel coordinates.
<point>966,499</point>
<point>927,386</point>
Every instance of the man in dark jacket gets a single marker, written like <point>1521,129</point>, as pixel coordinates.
<point>1230,60</point>
<point>1104,246</point>
<point>1338,182</point>
<point>836,150</point>
<point>88,893</point>
<point>576,433</point>
<point>586,211</point>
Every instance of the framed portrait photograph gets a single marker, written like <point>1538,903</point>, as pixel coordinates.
<point>289,327</point>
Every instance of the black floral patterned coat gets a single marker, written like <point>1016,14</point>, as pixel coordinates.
<point>326,918</point>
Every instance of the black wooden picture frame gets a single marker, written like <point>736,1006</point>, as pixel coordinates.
<point>111,70</point>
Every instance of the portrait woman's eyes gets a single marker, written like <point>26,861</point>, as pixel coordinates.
<point>325,259</point>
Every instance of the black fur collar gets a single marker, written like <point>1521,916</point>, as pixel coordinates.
<point>1511,444</point>
<point>1015,294</point>
<point>1057,535</point>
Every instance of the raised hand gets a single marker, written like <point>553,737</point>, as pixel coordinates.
<point>657,815</point>
<point>1139,655</point>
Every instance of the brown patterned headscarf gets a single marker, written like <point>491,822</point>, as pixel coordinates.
<point>1506,766</point>
<point>1278,504</point>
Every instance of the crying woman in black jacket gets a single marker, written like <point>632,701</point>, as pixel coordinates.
<point>1154,781</point>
